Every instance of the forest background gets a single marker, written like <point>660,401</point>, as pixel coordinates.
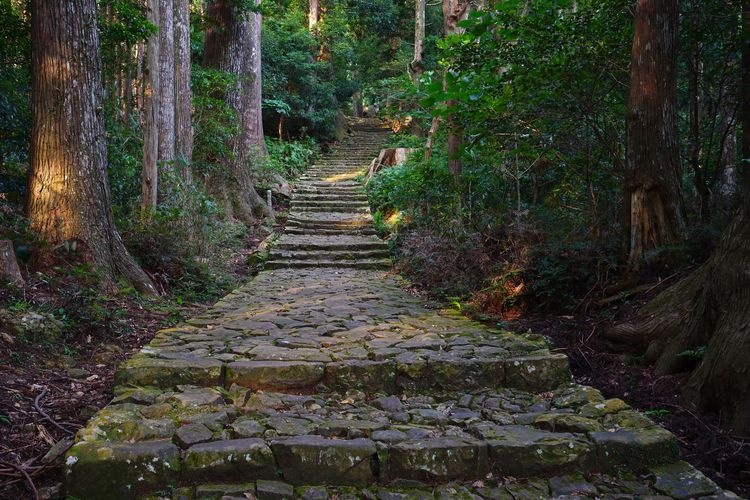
<point>546,179</point>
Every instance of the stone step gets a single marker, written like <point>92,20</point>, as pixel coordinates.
<point>149,440</point>
<point>336,203</point>
<point>661,482</point>
<point>344,256</point>
<point>329,184</point>
<point>316,197</point>
<point>307,187</point>
<point>328,242</point>
<point>318,231</point>
<point>330,171</point>
<point>327,224</point>
<point>339,208</point>
<point>369,264</point>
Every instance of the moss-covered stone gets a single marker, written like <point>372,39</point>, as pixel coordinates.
<point>273,490</point>
<point>218,491</point>
<point>313,460</point>
<point>247,428</point>
<point>522,451</point>
<point>229,460</point>
<point>682,481</point>
<point>439,459</point>
<point>571,485</point>
<point>636,449</point>
<point>566,422</point>
<point>450,373</point>
<point>274,375</point>
<point>368,376</point>
<point>313,493</point>
<point>598,409</point>
<point>190,434</point>
<point>627,419</point>
<point>167,373</point>
<point>120,470</point>
<point>577,395</point>
<point>534,489</point>
<point>199,396</point>
<point>537,373</point>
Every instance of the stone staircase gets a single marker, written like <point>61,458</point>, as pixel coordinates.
<point>325,379</point>
<point>329,222</point>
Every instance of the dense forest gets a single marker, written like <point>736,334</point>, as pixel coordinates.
<point>568,165</point>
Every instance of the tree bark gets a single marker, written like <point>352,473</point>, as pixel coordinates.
<point>416,66</point>
<point>183,95</point>
<point>703,323</point>
<point>68,194</point>
<point>313,16</point>
<point>150,172</point>
<point>166,97</point>
<point>254,139</point>
<point>653,193</point>
<point>232,45</point>
<point>745,103</point>
<point>454,11</point>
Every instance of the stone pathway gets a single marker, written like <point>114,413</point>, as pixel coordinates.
<point>324,378</point>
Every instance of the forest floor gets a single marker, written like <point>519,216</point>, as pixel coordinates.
<point>50,388</point>
<point>719,454</point>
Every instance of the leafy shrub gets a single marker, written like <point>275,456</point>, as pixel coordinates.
<point>450,262</point>
<point>184,243</point>
<point>290,158</point>
<point>558,276</point>
<point>214,121</point>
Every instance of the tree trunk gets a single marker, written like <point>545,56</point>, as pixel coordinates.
<point>454,11</point>
<point>704,319</point>
<point>431,138</point>
<point>653,194</point>
<point>183,96</point>
<point>166,97</point>
<point>230,46</point>
<point>695,107</point>
<point>416,66</point>
<point>314,14</point>
<point>744,92</point>
<point>68,192</point>
<point>150,172</point>
<point>254,139</point>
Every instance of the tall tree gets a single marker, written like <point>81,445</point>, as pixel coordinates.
<point>653,193</point>
<point>313,16</point>
<point>702,323</point>
<point>744,93</point>
<point>454,11</point>
<point>232,44</point>
<point>416,66</point>
<point>166,118</point>
<point>183,96</point>
<point>150,168</point>
<point>68,193</point>
<point>254,138</point>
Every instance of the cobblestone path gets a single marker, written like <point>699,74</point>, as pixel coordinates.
<point>323,378</point>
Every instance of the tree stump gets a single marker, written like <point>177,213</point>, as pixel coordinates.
<point>9,270</point>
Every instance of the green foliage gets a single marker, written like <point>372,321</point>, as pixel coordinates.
<point>420,188</point>
<point>185,243</point>
<point>15,94</point>
<point>290,158</point>
<point>559,275</point>
<point>693,354</point>
<point>296,85</point>
<point>123,22</point>
<point>214,122</point>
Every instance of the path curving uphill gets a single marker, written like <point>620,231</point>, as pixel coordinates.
<point>324,378</point>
